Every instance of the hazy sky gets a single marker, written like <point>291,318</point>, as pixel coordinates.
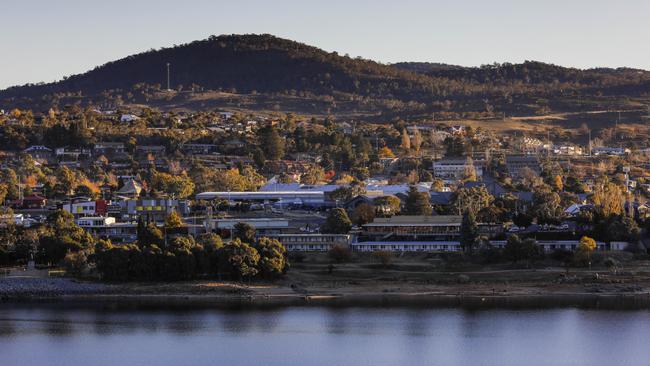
<point>44,40</point>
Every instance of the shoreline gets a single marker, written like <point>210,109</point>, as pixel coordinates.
<point>474,301</point>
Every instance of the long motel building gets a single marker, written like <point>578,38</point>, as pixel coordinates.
<point>312,242</point>
<point>410,233</point>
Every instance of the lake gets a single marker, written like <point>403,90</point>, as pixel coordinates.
<point>41,335</point>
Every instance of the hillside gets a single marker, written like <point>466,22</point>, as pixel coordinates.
<point>263,72</point>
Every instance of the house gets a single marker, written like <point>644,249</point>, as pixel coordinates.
<point>234,144</point>
<point>108,148</point>
<point>517,163</point>
<point>30,202</point>
<point>413,228</point>
<point>491,185</point>
<point>128,118</point>
<point>199,149</point>
<point>155,209</point>
<point>130,189</point>
<point>264,226</point>
<point>307,198</point>
<point>86,208</point>
<point>612,151</point>
<point>39,152</point>
<point>155,150</point>
<point>455,168</point>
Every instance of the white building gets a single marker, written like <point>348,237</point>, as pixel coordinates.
<point>95,221</point>
<point>455,169</point>
<point>311,242</point>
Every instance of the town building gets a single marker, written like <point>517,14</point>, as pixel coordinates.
<point>517,163</point>
<point>455,168</point>
<point>311,242</point>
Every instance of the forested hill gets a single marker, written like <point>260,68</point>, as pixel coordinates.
<point>242,63</point>
<point>289,75</point>
<point>529,72</point>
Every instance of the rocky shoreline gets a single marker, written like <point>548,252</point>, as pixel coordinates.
<point>21,290</point>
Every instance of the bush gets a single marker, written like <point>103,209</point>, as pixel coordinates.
<point>562,255</point>
<point>384,257</point>
<point>491,254</point>
<point>340,254</point>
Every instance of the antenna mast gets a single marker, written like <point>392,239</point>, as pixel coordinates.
<point>168,88</point>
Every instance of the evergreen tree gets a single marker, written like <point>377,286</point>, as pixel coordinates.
<point>337,222</point>
<point>417,203</point>
<point>468,231</point>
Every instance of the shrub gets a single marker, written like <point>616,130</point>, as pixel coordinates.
<point>384,257</point>
<point>340,254</point>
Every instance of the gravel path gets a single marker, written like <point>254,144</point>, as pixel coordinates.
<point>11,287</point>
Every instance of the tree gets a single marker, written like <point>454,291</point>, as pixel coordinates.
<point>67,178</point>
<point>608,198</point>
<point>622,228</point>
<point>416,141</point>
<point>406,141</point>
<point>388,205</point>
<point>314,175</point>
<point>273,259</point>
<point>363,214</point>
<point>558,185</point>
<point>585,247</point>
<point>149,234</point>
<point>271,142</point>
<point>417,203</point>
<point>469,173</point>
<point>468,231</point>
<point>517,249</point>
<point>62,236</point>
<point>178,186</point>
<point>173,221</point>
<point>244,232</point>
<point>339,253</point>
<point>385,152</point>
<point>210,241</point>
<point>337,222</point>
<point>238,259</point>
<point>546,206</point>
<point>473,199</point>
<point>437,185</point>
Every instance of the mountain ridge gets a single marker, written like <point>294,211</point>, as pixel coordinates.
<point>254,64</point>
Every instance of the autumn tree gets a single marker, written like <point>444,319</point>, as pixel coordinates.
<point>585,247</point>
<point>385,152</point>
<point>363,214</point>
<point>314,175</point>
<point>387,205</point>
<point>416,141</point>
<point>608,198</point>
<point>406,141</point>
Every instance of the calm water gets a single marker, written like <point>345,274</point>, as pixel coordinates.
<point>323,336</point>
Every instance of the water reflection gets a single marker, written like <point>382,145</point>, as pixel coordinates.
<point>323,336</point>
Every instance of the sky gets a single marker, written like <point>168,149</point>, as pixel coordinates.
<point>45,40</point>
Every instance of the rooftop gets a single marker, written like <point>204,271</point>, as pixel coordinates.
<point>405,220</point>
